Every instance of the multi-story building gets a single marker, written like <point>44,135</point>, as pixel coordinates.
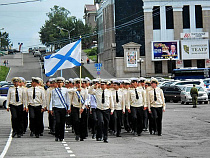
<point>170,34</point>
<point>90,15</point>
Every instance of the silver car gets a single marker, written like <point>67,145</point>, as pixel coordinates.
<point>186,97</point>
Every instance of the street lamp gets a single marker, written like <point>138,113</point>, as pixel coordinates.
<point>171,59</point>
<point>140,61</point>
<point>69,32</point>
<point>0,37</point>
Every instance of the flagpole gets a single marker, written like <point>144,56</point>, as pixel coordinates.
<point>80,73</point>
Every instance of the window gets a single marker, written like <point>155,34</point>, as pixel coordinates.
<point>156,17</point>
<point>158,67</point>
<point>187,63</point>
<point>169,17</point>
<point>173,64</point>
<point>198,16</point>
<point>201,63</point>
<point>186,17</point>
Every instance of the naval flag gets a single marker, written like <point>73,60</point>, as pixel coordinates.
<point>68,57</point>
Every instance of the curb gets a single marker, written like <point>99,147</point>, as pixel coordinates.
<point>8,73</point>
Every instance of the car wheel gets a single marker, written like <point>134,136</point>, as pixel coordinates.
<point>200,102</point>
<point>182,102</point>
<point>187,103</point>
<point>175,101</point>
<point>4,104</point>
<point>206,102</point>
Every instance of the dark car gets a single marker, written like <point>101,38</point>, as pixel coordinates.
<point>171,93</point>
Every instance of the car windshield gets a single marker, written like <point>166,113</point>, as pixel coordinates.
<point>200,89</point>
<point>190,82</point>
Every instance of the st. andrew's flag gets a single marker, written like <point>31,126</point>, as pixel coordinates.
<point>68,57</point>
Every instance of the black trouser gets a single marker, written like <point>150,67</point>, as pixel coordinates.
<point>118,121</point>
<point>35,116</point>
<point>25,121</point>
<point>16,118</point>
<point>60,120</point>
<point>157,114</point>
<point>93,119</point>
<point>137,119</point>
<point>51,119</point>
<point>151,122</point>
<point>103,123</point>
<point>84,123</point>
<point>42,122</point>
<point>126,121</point>
<point>146,118</point>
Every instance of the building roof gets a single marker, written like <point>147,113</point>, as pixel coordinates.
<point>90,8</point>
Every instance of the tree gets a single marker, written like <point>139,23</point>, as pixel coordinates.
<point>51,35</point>
<point>4,39</point>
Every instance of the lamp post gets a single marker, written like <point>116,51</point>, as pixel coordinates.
<point>171,59</point>
<point>0,37</point>
<point>140,61</point>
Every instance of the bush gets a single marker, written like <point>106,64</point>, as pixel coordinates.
<point>91,52</point>
<point>3,71</point>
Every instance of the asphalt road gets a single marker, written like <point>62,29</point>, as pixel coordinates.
<point>185,134</point>
<point>27,66</point>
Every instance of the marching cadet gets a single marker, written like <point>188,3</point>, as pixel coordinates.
<point>93,105</point>
<point>126,88</point>
<point>25,114</point>
<point>16,103</point>
<point>105,107</point>
<point>136,103</point>
<point>156,106</point>
<point>119,106</point>
<point>48,99</point>
<point>78,102</point>
<point>36,105</point>
<point>59,107</point>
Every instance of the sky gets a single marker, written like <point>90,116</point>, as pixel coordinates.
<point>23,21</point>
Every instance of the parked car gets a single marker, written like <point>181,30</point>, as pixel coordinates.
<point>207,82</point>
<point>171,93</point>
<point>37,54</point>
<point>187,82</point>
<point>186,97</point>
<point>3,96</point>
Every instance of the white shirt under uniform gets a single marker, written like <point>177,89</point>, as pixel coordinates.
<point>11,97</point>
<point>121,104</point>
<point>55,99</point>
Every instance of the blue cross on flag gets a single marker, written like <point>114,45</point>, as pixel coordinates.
<point>68,57</point>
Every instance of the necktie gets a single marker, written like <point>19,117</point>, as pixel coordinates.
<point>16,95</point>
<point>155,97</point>
<point>34,94</point>
<point>103,99</point>
<point>79,97</point>
<point>137,96</point>
<point>117,99</point>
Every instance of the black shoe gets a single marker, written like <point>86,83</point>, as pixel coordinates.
<point>41,134</point>
<point>139,134</point>
<point>37,136</point>
<point>13,134</point>
<point>105,141</point>
<point>118,135</point>
<point>160,134</point>
<point>31,134</point>
<point>135,134</point>
<point>19,136</point>
<point>94,136</point>
<point>77,138</point>
<point>98,139</point>
<point>56,139</point>
<point>81,139</point>
<point>61,140</point>
<point>154,133</point>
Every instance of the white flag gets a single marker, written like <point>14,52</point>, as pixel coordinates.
<point>68,57</point>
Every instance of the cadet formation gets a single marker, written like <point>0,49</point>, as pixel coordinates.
<point>102,107</point>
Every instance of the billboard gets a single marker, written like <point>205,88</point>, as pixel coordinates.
<point>165,50</point>
<point>131,59</point>
<point>195,49</point>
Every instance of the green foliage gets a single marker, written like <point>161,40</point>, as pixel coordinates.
<point>52,35</point>
<point>3,71</point>
<point>91,52</point>
<point>85,72</point>
<point>5,41</point>
<point>93,58</point>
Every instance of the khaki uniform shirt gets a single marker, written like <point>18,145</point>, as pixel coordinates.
<point>121,104</point>
<point>132,101</point>
<point>39,97</point>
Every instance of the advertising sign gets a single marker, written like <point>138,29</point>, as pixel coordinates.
<point>207,63</point>
<point>195,49</point>
<point>179,64</point>
<point>131,59</point>
<point>165,50</point>
<point>195,35</point>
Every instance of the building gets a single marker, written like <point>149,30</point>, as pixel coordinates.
<point>165,34</point>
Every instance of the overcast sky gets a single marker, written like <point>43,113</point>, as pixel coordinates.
<point>23,21</point>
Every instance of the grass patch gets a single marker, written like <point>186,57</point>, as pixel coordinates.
<point>3,72</point>
<point>93,58</point>
<point>85,72</point>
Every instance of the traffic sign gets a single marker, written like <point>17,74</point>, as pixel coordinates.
<point>98,66</point>
<point>98,73</point>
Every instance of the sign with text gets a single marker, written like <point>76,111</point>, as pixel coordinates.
<point>195,35</point>
<point>207,63</point>
<point>195,49</point>
<point>131,59</point>
<point>165,50</point>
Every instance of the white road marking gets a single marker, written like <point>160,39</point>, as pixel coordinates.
<point>72,155</point>
<point>65,144</point>
<point>67,148</point>
<point>7,146</point>
<point>69,151</point>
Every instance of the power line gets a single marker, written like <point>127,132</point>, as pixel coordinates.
<point>20,2</point>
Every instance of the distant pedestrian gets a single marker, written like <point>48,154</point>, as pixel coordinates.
<point>88,61</point>
<point>5,63</point>
<point>194,95</point>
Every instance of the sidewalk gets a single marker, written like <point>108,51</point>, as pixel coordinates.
<point>92,69</point>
